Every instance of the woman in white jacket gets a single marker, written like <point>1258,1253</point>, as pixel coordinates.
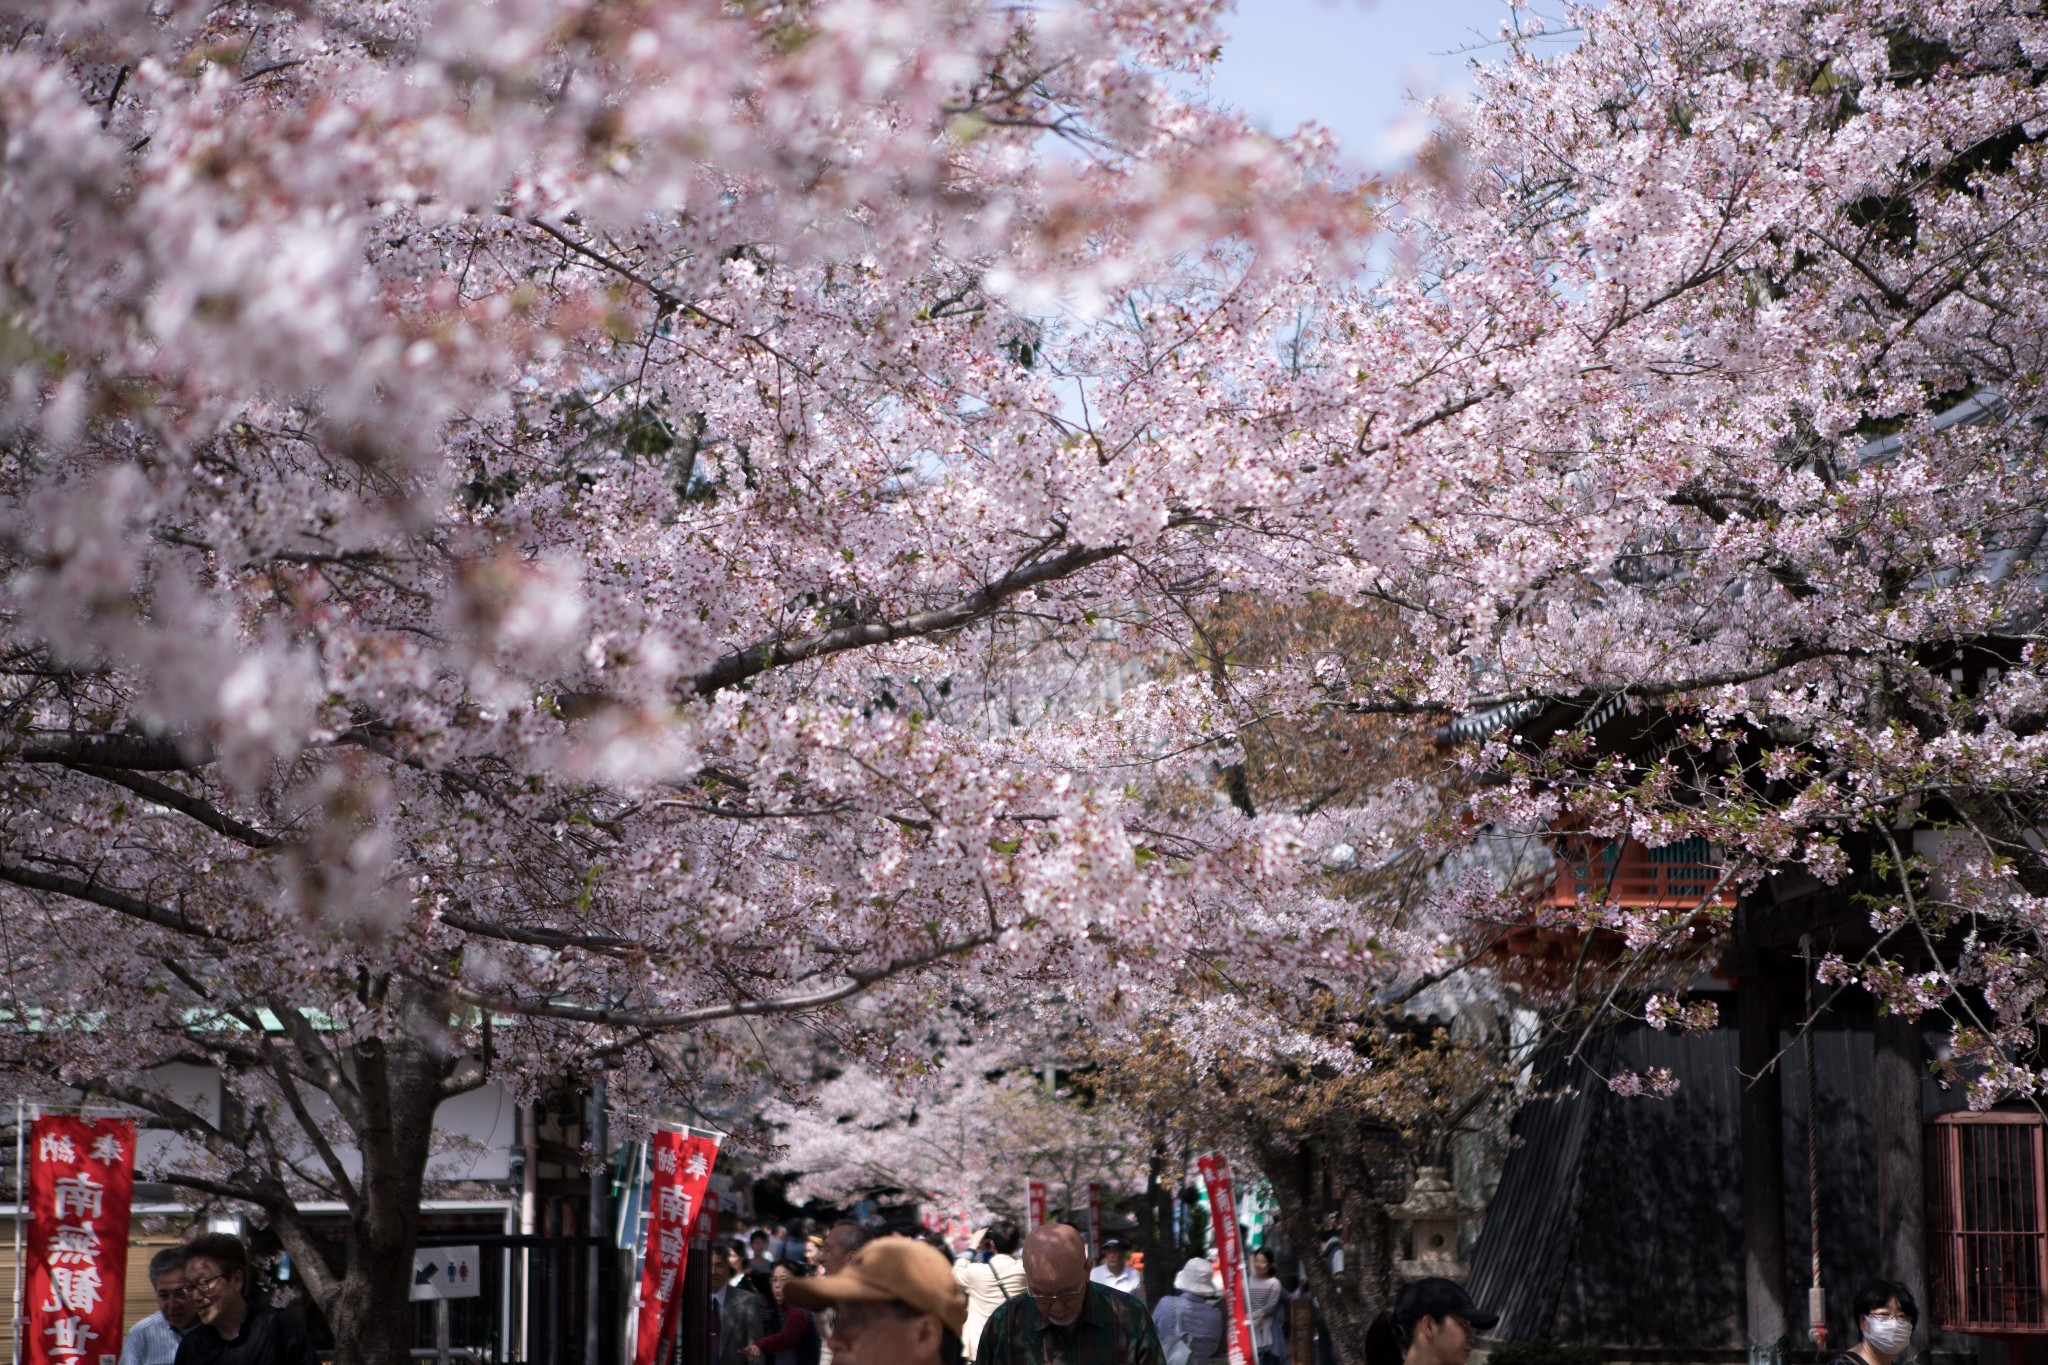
<point>989,1283</point>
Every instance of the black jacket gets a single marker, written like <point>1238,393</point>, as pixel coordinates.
<point>740,1321</point>
<point>268,1337</point>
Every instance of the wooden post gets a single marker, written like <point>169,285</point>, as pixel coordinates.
<point>1301,1330</point>
<point>1763,1166</point>
<point>1902,1162</point>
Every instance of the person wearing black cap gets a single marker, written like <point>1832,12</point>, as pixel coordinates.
<point>1116,1271</point>
<point>1432,1323</point>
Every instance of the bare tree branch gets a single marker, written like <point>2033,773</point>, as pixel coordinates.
<point>314,1135</point>
<point>319,1060</point>
<point>205,812</point>
<point>107,899</point>
<point>1699,682</point>
<point>545,938</point>
<point>116,751</point>
<point>857,982</point>
<point>756,659</point>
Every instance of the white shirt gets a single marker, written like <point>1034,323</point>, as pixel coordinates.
<point>988,1287</point>
<point>152,1341</point>
<point>1128,1279</point>
<point>1264,1298</point>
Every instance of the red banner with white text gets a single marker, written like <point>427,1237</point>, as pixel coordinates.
<point>1095,1218</point>
<point>1229,1255</point>
<point>675,1192</point>
<point>81,1180</point>
<point>1034,1204</point>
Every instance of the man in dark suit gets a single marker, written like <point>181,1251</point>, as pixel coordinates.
<point>740,1315</point>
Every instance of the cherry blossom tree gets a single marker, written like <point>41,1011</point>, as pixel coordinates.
<point>1349,1071</point>
<point>526,529</point>
<point>1705,391</point>
<point>961,1134</point>
<point>1360,1094</point>
<point>534,529</point>
<point>1734,312</point>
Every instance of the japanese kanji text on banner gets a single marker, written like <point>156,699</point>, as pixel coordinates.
<point>1229,1255</point>
<point>81,1179</point>
<point>1034,1204</point>
<point>682,1169</point>
<point>1094,1218</point>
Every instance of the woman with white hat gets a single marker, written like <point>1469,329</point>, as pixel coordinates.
<point>1189,1320</point>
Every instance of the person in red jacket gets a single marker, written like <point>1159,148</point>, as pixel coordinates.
<point>795,1339</point>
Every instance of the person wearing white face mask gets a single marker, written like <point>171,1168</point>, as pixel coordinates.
<point>1886,1316</point>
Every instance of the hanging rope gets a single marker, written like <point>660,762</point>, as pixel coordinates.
<point>1816,1297</point>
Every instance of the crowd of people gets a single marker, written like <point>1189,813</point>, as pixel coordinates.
<point>860,1295</point>
<point>1012,1299</point>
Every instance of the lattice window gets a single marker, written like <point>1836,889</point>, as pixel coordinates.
<point>1989,1218</point>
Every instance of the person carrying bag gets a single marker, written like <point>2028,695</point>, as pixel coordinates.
<point>1189,1321</point>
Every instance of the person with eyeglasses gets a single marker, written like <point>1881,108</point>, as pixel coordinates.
<point>235,1328</point>
<point>1886,1317</point>
<point>893,1303</point>
<point>792,1337</point>
<point>1063,1317</point>
<point>154,1340</point>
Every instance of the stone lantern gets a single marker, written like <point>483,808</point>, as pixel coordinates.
<point>1428,1222</point>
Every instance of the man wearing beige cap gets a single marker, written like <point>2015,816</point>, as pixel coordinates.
<point>895,1303</point>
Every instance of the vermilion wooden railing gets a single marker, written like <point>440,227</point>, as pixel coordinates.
<point>1624,872</point>
<point>1988,1206</point>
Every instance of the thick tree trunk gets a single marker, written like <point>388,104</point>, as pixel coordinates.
<point>398,1084</point>
<point>1348,1302</point>
<point>401,1084</point>
<point>1367,1264</point>
<point>1160,1247</point>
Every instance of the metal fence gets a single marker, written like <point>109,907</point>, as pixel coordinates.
<point>535,1303</point>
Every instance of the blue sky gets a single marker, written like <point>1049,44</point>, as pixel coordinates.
<point>1350,63</point>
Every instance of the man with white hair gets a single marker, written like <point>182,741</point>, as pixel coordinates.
<point>154,1340</point>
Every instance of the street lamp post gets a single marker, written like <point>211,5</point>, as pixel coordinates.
<point>593,1322</point>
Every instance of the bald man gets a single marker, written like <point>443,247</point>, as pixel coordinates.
<point>1065,1317</point>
